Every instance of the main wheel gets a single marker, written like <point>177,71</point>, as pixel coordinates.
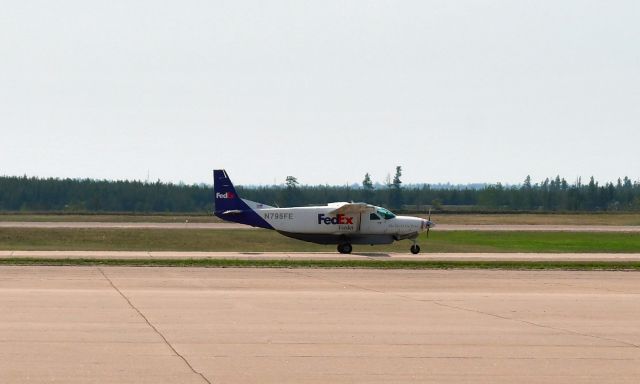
<point>345,248</point>
<point>415,249</point>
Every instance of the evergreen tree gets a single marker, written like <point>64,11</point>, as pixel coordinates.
<point>367,183</point>
<point>73,195</point>
<point>396,199</point>
<point>291,195</point>
<point>291,182</point>
<point>396,179</point>
<point>367,188</point>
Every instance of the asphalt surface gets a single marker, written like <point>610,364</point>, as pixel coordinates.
<point>439,227</point>
<point>381,256</point>
<point>209,325</point>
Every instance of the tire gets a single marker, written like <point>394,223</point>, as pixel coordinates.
<point>415,249</point>
<point>345,248</point>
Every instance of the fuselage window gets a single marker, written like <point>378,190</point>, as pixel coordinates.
<point>373,216</point>
<point>386,213</point>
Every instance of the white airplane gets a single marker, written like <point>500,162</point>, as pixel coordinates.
<point>335,223</point>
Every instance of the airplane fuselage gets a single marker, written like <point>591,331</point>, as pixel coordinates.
<point>321,224</point>
<point>336,223</point>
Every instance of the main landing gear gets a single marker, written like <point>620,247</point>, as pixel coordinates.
<point>345,248</point>
<point>415,249</point>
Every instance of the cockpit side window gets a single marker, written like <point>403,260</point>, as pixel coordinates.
<point>387,214</point>
<point>373,216</point>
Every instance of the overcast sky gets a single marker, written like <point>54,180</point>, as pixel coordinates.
<point>453,91</point>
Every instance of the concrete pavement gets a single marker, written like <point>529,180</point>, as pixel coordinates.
<point>199,325</point>
<point>380,256</point>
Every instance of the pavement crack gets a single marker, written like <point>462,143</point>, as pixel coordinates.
<point>440,303</point>
<point>153,327</point>
<point>450,306</point>
<point>338,282</point>
<point>533,323</point>
<point>591,287</point>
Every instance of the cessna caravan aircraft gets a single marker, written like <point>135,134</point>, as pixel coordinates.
<point>343,224</point>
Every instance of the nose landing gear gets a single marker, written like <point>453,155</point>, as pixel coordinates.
<point>345,248</point>
<point>415,249</point>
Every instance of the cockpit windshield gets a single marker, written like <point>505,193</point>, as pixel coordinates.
<point>387,214</point>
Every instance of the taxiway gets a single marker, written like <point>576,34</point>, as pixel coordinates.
<point>208,325</point>
<point>381,256</point>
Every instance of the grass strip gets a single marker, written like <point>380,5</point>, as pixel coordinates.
<point>364,264</point>
<point>125,239</point>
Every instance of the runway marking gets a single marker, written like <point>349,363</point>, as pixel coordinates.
<point>450,306</point>
<point>153,327</point>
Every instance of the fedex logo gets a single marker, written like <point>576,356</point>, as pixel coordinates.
<point>226,195</point>
<point>340,219</point>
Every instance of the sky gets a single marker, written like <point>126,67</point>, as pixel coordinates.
<point>452,91</point>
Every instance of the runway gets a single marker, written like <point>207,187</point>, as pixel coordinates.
<point>132,225</point>
<point>380,256</point>
<point>439,227</point>
<point>203,325</point>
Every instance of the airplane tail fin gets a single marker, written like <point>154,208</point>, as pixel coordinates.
<point>226,197</point>
<point>230,207</point>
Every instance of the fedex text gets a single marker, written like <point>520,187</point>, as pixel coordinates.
<point>339,219</point>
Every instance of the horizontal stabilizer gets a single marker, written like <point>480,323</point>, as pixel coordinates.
<point>254,205</point>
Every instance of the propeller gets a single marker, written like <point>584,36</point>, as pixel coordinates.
<point>429,222</point>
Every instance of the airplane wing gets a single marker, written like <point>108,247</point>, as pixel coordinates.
<point>354,208</point>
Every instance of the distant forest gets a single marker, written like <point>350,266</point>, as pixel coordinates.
<point>75,195</point>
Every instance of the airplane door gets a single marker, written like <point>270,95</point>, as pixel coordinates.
<point>372,223</point>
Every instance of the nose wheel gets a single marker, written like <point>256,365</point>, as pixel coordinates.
<point>415,249</point>
<point>345,248</point>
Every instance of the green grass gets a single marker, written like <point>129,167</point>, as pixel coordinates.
<point>585,218</point>
<point>114,239</point>
<point>372,264</point>
<point>535,242</point>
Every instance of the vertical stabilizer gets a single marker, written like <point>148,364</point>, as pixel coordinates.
<point>229,206</point>
<point>226,197</point>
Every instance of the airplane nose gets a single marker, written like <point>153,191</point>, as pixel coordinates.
<point>427,224</point>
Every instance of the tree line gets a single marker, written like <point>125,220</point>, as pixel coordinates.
<point>86,195</point>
